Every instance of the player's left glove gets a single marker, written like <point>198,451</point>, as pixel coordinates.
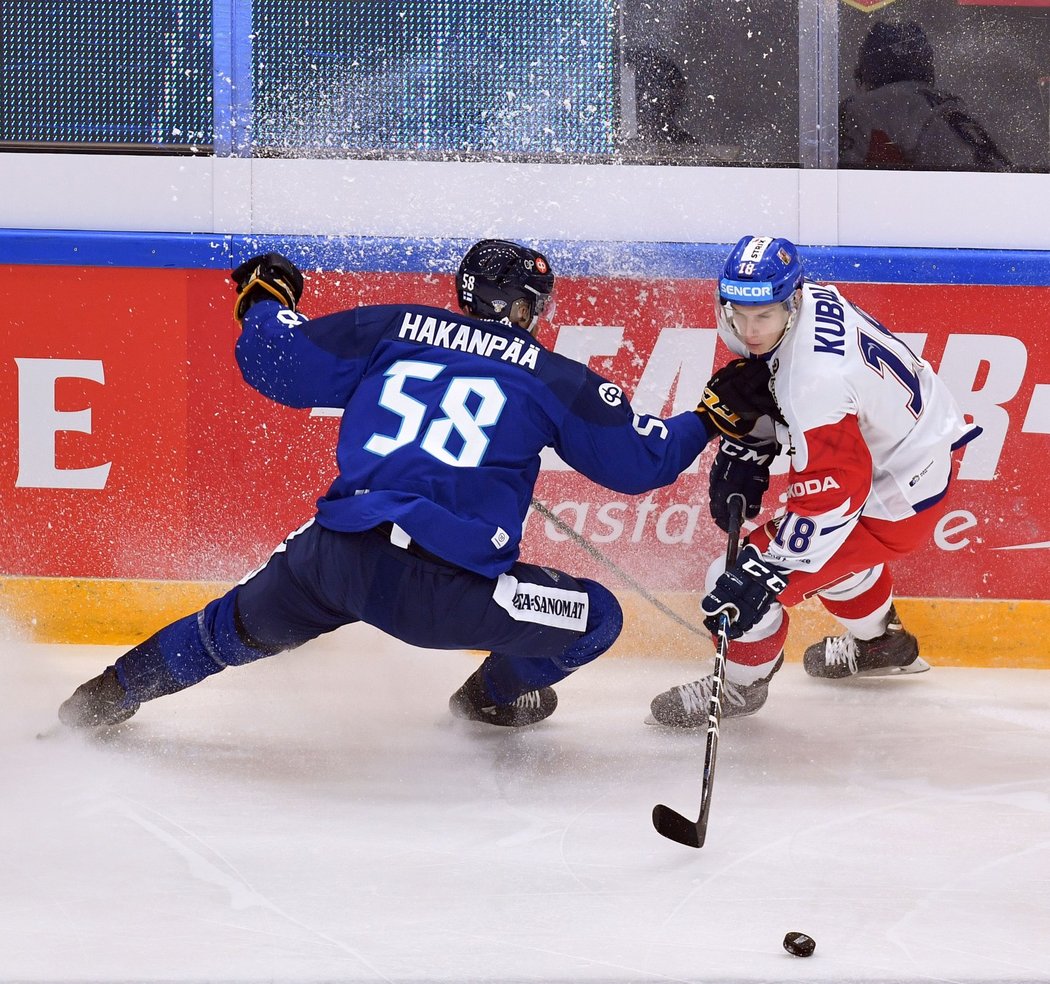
<point>269,277</point>
<point>736,396</point>
<point>744,592</point>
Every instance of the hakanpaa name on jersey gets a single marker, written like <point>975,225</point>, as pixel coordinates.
<point>471,339</point>
<point>445,418</point>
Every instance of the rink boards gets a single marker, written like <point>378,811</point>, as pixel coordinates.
<point>140,475</point>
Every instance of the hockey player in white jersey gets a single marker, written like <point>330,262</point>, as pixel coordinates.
<point>869,430</point>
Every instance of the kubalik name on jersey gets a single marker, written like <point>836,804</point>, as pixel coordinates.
<point>468,338</point>
<point>828,327</point>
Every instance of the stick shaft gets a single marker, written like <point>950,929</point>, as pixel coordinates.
<point>565,528</point>
<point>666,821</point>
<point>714,710</point>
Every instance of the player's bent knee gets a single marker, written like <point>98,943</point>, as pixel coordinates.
<point>604,625</point>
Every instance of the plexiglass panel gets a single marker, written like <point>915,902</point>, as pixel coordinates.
<point>933,85</point>
<point>710,81</point>
<point>444,77</point>
<point>924,84</point>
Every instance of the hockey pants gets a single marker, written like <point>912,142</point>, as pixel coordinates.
<point>855,586</point>
<point>538,623</point>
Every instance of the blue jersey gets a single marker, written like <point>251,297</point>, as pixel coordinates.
<point>444,419</point>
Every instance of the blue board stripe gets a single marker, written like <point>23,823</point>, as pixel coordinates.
<point>861,264</point>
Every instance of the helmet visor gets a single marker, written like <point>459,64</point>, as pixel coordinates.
<point>724,313</point>
<point>727,312</point>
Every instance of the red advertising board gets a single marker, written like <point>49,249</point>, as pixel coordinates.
<point>131,448</point>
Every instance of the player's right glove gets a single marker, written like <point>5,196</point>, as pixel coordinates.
<point>740,468</point>
<point>736,396</point>
<point>270,277</point>
<point>744,592</point>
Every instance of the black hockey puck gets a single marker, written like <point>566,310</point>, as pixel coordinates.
<point>799,944</point>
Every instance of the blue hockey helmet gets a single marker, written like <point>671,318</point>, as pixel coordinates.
<point>760,270</point>
<point>495,273</point>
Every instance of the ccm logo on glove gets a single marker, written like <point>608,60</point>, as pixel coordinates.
<point>740,469</point>
<point>765,575</point>
<point>744,593</point>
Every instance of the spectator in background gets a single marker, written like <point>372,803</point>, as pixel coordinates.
<point>898,120</point>
<point>660,90</point>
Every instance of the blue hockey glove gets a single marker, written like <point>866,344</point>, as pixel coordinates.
<point>736,396</point>
<point>268,277</point>
<point>744,592</point>
<point>740,468</point>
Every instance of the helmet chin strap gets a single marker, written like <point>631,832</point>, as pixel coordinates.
<point>530,327</point>
<point>793,311</point>
<point>533,320</point>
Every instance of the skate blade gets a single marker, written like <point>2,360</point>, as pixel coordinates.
<point>681,728</point>
<point>918,665</point>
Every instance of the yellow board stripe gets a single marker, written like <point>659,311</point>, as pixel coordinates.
<point>951,632</point>
<point>96,610</point>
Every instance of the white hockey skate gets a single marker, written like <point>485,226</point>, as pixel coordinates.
<point>687,706</point>
<point>893,653</point>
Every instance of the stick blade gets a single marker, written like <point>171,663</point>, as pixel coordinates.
<point>674,826</point>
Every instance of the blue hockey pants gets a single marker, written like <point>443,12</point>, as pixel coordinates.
<point>539,624</point>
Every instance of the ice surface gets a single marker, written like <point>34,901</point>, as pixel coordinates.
<point>319,817</point>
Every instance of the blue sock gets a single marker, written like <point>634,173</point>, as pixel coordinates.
<point>186,651</point>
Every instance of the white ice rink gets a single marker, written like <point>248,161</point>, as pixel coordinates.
<point>319,817</point>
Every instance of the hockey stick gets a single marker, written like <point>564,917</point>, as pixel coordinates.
<point>667,822</point>
<point>615,568</point>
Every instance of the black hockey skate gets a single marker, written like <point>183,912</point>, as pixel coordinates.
<point>894,652</point>
<point>687,706</point>
<point>471,703</point>
<point>101,702</point>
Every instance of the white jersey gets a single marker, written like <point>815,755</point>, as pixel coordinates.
<point>869,427</point>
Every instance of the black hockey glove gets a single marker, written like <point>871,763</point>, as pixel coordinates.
<point>744,592</point>
<point>740,468</point>
<point>269,277</point>
<point>736,396</point>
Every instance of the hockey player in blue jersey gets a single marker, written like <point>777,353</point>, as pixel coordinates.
<point>444,419</point>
